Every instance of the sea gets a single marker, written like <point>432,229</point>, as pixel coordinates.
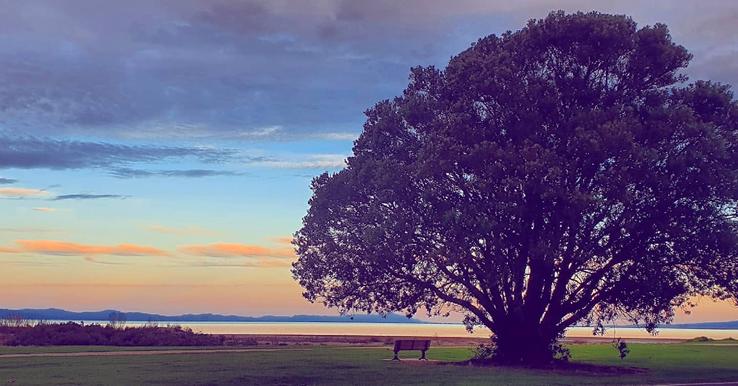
<point>419,329</point>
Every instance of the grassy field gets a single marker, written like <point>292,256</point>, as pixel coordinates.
<point>661,363</point>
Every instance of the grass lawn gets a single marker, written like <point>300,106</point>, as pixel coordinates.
<point>664,363</point>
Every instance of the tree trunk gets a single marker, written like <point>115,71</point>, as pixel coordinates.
<point>524,342</point>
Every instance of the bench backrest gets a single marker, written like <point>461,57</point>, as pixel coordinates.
<point>412,344</point>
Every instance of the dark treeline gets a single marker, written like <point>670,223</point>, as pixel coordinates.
<point>53,334</point>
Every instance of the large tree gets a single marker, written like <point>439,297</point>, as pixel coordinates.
<point>565,173</point>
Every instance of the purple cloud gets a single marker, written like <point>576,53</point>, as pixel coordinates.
<point>187,173</point>
<point>229,69</point>
<point>33,153</point>
<point>87,197</point>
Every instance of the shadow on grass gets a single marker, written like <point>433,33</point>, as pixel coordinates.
<point>559,367</point>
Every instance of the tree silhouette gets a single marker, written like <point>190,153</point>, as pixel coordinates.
<point>117,319</point>
<point>561,174</point>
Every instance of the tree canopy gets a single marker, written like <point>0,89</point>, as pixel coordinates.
<point>564,173</point>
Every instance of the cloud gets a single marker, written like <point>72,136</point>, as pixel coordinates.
<point>278,133</point>
<point>88,196</point>
<point>187,173</point>
<point>96,260</point>
<point>22,193</point>
<point>64,248</point>
<point>9,250</point>
<point>44,209</point>
<point>227,250</point>
<point>45,153</point>
<point>5,181</point>
<point>257,133</point>
<point>219,254</point>
<point>255,69</point>
<point>191,67</point>
<point>317,161</point>
<point>337,136</point>
<point>239,255</point>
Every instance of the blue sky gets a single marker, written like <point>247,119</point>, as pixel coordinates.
<point>192,128</point>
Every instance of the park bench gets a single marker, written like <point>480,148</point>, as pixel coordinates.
<point>411,344</point>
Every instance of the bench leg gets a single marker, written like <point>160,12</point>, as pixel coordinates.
<point>422,356</point>
<point>396,358</point>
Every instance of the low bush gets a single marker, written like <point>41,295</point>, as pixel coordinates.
<point>700,339</point>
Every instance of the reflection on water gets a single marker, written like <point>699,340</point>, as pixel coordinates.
<point>428,330</point>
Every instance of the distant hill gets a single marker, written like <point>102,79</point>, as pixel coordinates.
<point>57,314</point>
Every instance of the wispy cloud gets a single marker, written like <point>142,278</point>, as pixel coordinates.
<point>336,136</point>
<point>44,209</point>
<point>23,193</point>
<point>258,133</point>
<point>278,133</point>
<point>187,173</point>
<point>233,250</point>
<point>200,255</point>
<point>314,161</point>
<point>82,196</point>
<point>46,153</point>
<point>33,193</point>
<point>65,248</point>
<point>6,181</point>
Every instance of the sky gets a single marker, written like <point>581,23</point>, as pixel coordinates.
<point>156,155</point>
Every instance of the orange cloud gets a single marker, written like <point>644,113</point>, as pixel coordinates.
<point>257,256</point>
<point>245,255</point>
<point>22,192</point>
<point>53,247</point>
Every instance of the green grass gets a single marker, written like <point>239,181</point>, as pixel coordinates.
<point>665,363</point>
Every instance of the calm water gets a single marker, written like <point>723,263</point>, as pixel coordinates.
<point>409,329</point>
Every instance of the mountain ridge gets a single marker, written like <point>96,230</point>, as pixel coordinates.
<point>727,325</point>
<point>104,315</point>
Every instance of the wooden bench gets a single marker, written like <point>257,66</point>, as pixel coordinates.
<point>411,344</point>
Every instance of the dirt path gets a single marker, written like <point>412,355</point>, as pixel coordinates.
<point>144,352</point>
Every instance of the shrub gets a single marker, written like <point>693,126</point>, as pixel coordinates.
<point>700,339</point>
<point>622,347</point>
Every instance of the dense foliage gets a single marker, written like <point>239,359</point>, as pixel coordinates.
<point>564,173</point>
<point>56,334</point>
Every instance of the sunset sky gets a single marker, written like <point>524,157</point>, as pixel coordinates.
<point>156,156</point>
